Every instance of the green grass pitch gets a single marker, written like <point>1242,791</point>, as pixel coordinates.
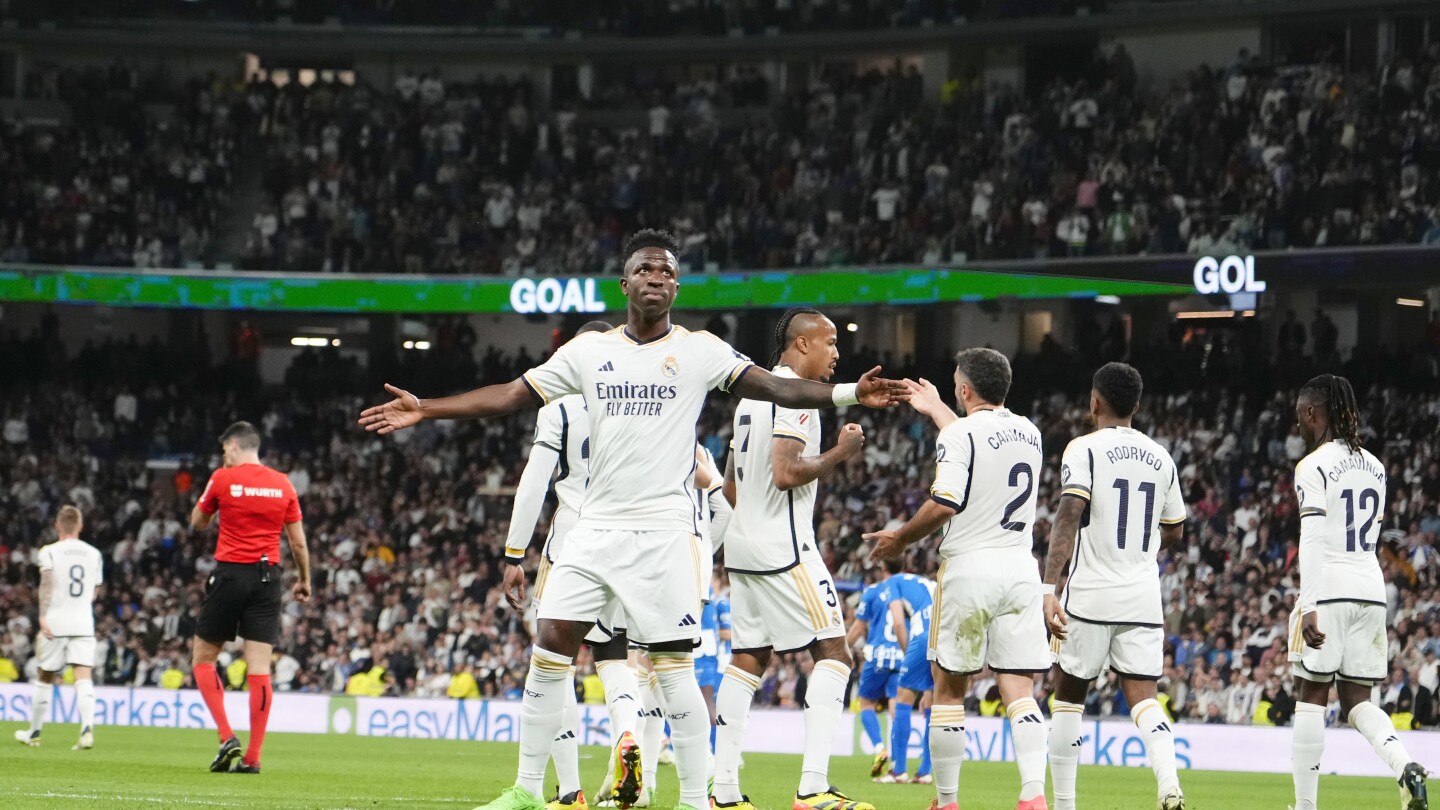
<point>154,768</point>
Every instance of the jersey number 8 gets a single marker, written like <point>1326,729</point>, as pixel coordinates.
<point>77,581</point>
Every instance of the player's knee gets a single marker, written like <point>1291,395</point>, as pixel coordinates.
<point>616,649</point>
<point>832,649</point>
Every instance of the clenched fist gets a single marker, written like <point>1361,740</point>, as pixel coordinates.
<point>851,440</point>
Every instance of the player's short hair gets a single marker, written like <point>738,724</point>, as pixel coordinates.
<point>1119,384</point>
<point>988,372</point>
<point>69,519</point>
<point>244,433</point>
<point>594,326</point>
<point>784,330</point>
<point>895,565</point>
<point>648,238</point>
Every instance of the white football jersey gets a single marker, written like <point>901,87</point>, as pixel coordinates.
<point>770,528</point>
<point>564,426</point>
<point>1131,487</point>
<point>75,567</point>
<point>1347,489</point>
<point>644,400</point>
<point>987,469</point>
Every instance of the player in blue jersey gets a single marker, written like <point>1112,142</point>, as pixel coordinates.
<point>713,654</point>
<point>917,681</point>
<point>880,620</point>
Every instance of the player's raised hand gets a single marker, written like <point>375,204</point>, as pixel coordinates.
<point>887,545</point>
<point>874,391</point>
<point>1055,617</point>
<point>924,396</point>
<point>514,586</point>
<point>851,440</point>
<point>399,413</point>
<point>1310,627</point>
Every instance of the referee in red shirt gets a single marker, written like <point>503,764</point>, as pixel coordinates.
<point>242,597</point>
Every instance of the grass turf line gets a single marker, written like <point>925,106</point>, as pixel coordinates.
<point>159,768</point>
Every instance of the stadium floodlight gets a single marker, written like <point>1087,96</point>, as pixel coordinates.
<point>852,327</point>
<point>1410,302</point>
<point>311,341</point>
<point>1113,300</point>
<point>1205,314</point>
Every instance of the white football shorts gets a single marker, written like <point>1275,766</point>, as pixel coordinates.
<point>1132,650</point>
<point>989,612</point>
<point>1356,645</point>
<point>53,654</point>
<point>787,611</point>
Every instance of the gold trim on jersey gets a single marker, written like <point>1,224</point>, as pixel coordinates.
<point>546,398</point>
<point>1175,522</point>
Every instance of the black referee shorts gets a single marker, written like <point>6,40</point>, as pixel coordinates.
<point>238,601</point>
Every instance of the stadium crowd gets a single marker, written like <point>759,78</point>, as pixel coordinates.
<point>407,532</point>
<point>443,176</point>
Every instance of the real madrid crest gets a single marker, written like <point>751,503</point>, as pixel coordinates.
<point>670,367</point>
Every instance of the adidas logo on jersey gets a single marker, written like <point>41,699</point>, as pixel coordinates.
<point>609,366</point>
<point>688,621</point>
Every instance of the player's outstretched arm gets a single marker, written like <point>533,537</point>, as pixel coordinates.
<point>925,399</point>
<point>407,410</point>
<point>1062,545</point>
<point>890,544</point>
<point>872,391</point>
<point>791,470</point>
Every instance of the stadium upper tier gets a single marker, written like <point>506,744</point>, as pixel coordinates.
<point>475,178</point>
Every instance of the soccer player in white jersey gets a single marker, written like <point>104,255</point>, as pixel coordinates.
<point>782,597</point>
<point>1337,632</point>
<point>1121,493</point>
<point>562,450</point>
<point>644,386</point>
<point>988,598</point>
<point>70,570</point>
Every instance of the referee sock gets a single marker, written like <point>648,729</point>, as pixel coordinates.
<point>824,701</point>
<point>85,692</point>
<point>541,714</point>
<point>207,680</point>
<point>1066,741</point>
<point>1154,724</point>
<point>1031,732</point>
<point>622,697</point>
<point>40,704</point>
<point>732,714</point>
<point>689,723</point>
<point>262,697</point>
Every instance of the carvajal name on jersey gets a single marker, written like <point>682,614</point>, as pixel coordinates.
<point>634,399</point>
<point>1132,453</point>
<point>1001,438</point>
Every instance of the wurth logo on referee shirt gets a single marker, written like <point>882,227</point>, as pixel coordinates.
<point>237,490</point>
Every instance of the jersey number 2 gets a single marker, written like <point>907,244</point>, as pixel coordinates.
<point>77,581</point>
<point>1011,508</point>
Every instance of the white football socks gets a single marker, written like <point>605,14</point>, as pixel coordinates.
<point>689,723</point>
<point>40,704</point>
<point>622,698</point>
<point>1031,733</point>
<point>1375,725</point>
<point>947,750</point>
<point>565,750</point>
<point>1154,725</point>
<point>1306,745</point>
<point>652,727</point>
<point>85,691</point>
<point>732,715</point>
<point>824,701</point>
<point>1065,745</point>
<point>541,714</point>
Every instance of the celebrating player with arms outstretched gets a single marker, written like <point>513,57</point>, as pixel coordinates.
<point>781,595</point>
<point>988,597</point>
<point>1338,629</point>
<point>1121,490</point>
<point>644,386</point>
